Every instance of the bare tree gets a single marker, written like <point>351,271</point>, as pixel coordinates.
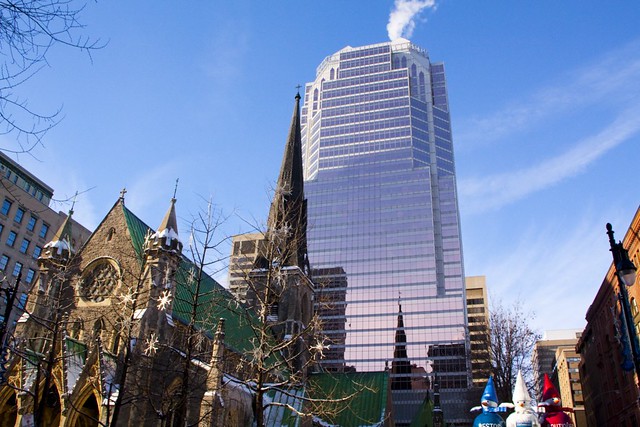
<point>286,341</point>
<point>28,30</point>
<point>511,345</point>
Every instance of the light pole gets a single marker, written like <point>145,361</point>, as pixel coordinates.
<point>626,272</point>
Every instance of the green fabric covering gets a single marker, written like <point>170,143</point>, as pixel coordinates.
<point>282,416</point>
<point>424,417</point>
<point>367,407</point>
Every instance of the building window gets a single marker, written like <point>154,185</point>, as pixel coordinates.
<point>4,260</point>
<point>31,225</point>
<point>22,301</point>
<point>30,275</point>
<point>36,252</point>
<point>6,205</point>
<point>19,215</point>
<point>1,228</point>
<point>12,238</point>
<point>17,269</point>
<point>24,246</point>
<point>44,229</point>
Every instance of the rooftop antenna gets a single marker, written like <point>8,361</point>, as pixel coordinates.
<point>73,204</point>
<point>175,190</point>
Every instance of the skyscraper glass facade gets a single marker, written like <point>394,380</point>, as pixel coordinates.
<point>383,212</point>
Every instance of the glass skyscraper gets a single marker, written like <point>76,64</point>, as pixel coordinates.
<point>383,216</point>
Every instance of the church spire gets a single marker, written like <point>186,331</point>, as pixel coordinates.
<point>166,237</point>
<point>288,212</point>
<point>400,367</point>
<point>61,245</point>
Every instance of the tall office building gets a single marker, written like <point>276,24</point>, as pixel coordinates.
<point>382,207</point>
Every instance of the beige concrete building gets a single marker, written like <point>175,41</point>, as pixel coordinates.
<point>566,373</point>
<point>544,352</point>
<point>244,253</point>
<point>479,333</point>
<point>27,223</point>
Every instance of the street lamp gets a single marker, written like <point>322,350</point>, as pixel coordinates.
<point>626,272</point>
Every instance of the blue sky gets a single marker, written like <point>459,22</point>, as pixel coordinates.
<point>545,100</point>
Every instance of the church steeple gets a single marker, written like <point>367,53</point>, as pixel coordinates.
<point>166,237</point>
<point>61,245</point>
<point>288,212</point>
<point>400,367</point>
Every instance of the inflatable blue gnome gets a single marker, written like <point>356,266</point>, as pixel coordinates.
<point>489,406</point>
<point>524,415</point>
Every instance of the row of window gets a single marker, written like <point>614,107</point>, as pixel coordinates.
<point>365,127</point>
<point>367,97</point>
<point>24,245</point>
<point>17,268</point>
<point>19,216</point>
<point>26,185</point>
<point>368,137</point>
<point>360,71</point>
<point>364,80</point>
<point>359,53</point>
<point>364,88</point>
<point>366,117</point>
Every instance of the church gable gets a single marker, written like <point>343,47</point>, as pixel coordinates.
<point>112,239</point>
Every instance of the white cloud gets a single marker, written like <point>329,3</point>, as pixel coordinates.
<point>614,79</point>
<point>402,17</point>
<point>555,269</point>
<point>224,56</point>
<point>152,192</point>
<point>491,192</point>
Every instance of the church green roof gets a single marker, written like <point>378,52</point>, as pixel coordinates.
<point>214,301</point>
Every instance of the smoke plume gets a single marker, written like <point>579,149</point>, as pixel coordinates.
<point>401,20</point>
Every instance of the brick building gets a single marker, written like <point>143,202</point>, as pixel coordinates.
<point>610,392</point>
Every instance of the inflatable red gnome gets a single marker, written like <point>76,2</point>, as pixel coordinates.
<point>553,415</point>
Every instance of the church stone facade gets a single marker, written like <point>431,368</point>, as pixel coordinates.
<point>112,334</point>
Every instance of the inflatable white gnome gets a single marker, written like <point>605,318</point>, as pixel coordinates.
<point>524,416</point>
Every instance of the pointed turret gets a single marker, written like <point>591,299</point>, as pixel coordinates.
<point>166,238</point>
<point>211,409</point>
<point>287,223</point>
<point>163,255</point>
<point>60,247</point>
<point>400,367</point>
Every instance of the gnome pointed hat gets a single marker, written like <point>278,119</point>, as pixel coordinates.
<point>549,391</point>
<point>489,397</point>
<point>520,392</point>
